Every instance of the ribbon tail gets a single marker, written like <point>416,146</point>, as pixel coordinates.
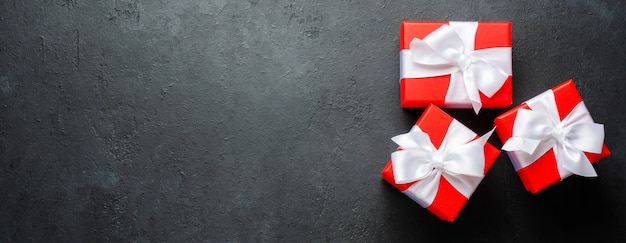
<point>476,106</point>
<point>526,145</point>
<point>575,161</point>
<point>472,90</point>
<point>414,140</point>
<point>424,191</point>
<point>468,159</point>
<point>465,184</point>
<point>456,96</point>
<point>483,139</point>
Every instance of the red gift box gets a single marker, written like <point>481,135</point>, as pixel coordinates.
<point>418,89</point>
<point>448,200</point>
<point>544,171</point>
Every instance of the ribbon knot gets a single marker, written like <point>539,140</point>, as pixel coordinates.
<point>437,165</point>
<point>459,159</point>
<point>449,50</point>
<point>558,134</point>
<point>464,61</point>
<point>539,130</point>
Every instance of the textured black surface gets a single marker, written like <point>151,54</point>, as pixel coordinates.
<point>133,120</point>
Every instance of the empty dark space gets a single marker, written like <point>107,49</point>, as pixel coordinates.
<point>248,121</point>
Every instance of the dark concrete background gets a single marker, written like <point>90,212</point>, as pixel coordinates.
<point>134,120</point>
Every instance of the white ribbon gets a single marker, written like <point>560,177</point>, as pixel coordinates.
<point>449,50</point>
<point>538,130</point>
<point>459,159</point>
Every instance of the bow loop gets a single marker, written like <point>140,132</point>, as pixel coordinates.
<point>442,47</point>
<point>411,165</point>
<point>587,136</point>
<point>489,77</point>
<point>425,54</point>
<point>537,130</point>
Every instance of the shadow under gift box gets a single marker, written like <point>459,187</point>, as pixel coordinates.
<point>449,201</point>
<point>420,92</point>
<point>544,172</point>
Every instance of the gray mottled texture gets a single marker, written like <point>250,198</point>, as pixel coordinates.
<point>165,120</point>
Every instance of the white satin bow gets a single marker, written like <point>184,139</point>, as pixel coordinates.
<point>537,131</point>
<point>450,50</point>
<point>458,159</point>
